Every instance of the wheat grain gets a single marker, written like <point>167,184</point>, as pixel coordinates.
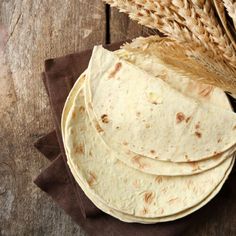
<point>197,64</point>
<point>181,12</point>
<point>167,25</point>
<point>231,8</point>
<point>207,16</point>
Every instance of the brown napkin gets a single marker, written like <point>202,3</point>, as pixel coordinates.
<point>59,77</point>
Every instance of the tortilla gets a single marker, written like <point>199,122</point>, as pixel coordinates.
<point>131,219</point>
<point>138,113</point>
<point>132,192</point>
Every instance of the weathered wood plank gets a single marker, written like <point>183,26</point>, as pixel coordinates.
<point>30,32</point>
<point>122,28</point>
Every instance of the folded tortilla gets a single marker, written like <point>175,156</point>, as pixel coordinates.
<point>139,113</point>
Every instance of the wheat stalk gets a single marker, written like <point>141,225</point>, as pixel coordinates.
<point>197,65</point>
<point>192,24</point>
<point>183,13</point>
<point>231,8</point>
<point>207,16</point>
<point>167,25</point>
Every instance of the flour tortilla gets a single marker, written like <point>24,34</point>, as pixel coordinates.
<point>131,219</point>
<point>188,87</point>
<point>132,192</point>
<point>166,168</point>
<point>131,99</point>
<point>119,215</point>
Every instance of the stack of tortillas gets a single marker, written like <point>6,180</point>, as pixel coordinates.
<point>145,143</point>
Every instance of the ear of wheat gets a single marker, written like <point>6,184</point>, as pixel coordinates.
<point>193,23</point>
<point>231,8</point>
<point>198,65</point>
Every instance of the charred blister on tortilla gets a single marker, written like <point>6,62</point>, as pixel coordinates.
<point>198,134</point>
<point>115,70</point>
<point>180,117</point>
<point>144,211</point>
<point>138,161</point>
<point>158,179</point>
<point>92,178</point>
<point>79,148</point>
<point>149,197</point>
<point>197,126</point>
<point>105,119</point>
<point>81,109</point>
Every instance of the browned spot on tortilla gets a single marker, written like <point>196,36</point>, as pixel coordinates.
<point>195,166</point>
<point>81,109</point>
<point>136,183</point>
<point>205,92</point>
<point>198,134</point>
<point>92,178</point>
<point>158,179</point>
<point>215,153</point>
<point>234,128</point>
<point>73,115</point>
<point>171,201</point>
<point>216,157</point>
<point>186,157</point>
<point>99,128</point>
<point>147,126</point>
<point>125,143</point>
<point>187,119</point>
<point>138,113</point>
<point>90,153</point>
<point>180,117</point>
<point>152,151</point>
<point>137,160</point>
<point>219,140</point>
<point>104,118</point>
<point>144,211</point>
<point>197,126</point>
<point>117,127</point>
<point>116,69</point>
<point>79,149</point>
<point>148,197</point>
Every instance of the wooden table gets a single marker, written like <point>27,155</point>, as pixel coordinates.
<point>30,32</point>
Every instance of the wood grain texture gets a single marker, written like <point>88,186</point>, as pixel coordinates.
<point>30,32</point>
<point>122,28</point>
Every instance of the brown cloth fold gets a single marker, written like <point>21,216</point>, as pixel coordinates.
<point>59,77</point>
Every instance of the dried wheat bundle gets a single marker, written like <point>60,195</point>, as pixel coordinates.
<point>193,22</point>
<point>231,8</point>
<point>206,13</point>
<point>186,15</point>
<point>197,65</point>
<point>219,5</point>
<point>167,25</point>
